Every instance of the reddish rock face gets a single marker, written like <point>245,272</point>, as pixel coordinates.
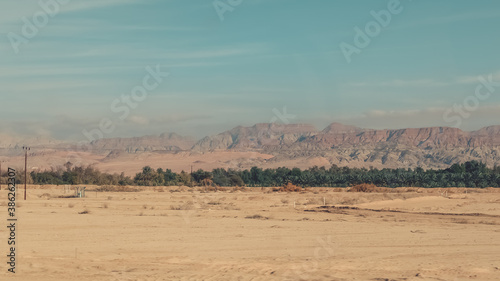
<point>264,135</point>
<point>303,136</point>
<point>434,137</point>
<point>302,145</point>
<point>435,147</point>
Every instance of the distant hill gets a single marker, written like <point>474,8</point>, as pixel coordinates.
<point>258,136</point>
<point>273,145</point>
<point>434,147</point>
<point>164,142</point>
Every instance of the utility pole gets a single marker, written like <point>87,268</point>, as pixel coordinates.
<point>191,177</point>
<point>26,149</point>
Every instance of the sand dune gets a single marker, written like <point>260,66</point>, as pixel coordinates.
<point>181,234</point>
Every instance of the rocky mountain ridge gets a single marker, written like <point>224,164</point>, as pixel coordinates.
<point>433,147</point>
<point>303,145</point>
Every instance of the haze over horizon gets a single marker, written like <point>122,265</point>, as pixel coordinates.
<point>262,58</point>
<point>16,137</point>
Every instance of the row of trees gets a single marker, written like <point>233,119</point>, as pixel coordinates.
<point>469,174</point>
<point>75,175</point>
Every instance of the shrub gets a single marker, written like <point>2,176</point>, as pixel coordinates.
<point>84,212</point>
<point>257,217</point>
<point>288,187</point>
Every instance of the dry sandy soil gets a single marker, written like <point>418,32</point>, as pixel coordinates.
<point>182,234</point>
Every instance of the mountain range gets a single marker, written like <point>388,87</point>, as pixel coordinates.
<point>292,145</point>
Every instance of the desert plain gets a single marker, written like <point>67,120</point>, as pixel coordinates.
<point>181,233</point>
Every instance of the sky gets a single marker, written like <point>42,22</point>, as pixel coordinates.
<point>71,66</point>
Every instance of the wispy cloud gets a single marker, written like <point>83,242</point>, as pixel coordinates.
<point>425,82</point>
<point>13,11</point>
<point>418,118</point>
<point>474,79</point>
<point>401,83</point>
<point>95,4</point>
<point>427,21</point>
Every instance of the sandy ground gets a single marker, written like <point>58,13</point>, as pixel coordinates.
<point>176,234</point>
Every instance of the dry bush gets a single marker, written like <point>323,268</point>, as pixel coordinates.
<point>284,201</point>
<point>71,205</point>
<point>257,217</point>
<point>207,182</point>
<point>45,196</point>
<point>65,196</point>
<point>213,202</point>
<point>222,189</point>
<point>84,212</point>
<point>288,187</point>
<point>105,206</point>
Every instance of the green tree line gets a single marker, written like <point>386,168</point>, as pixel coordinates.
<point>469,174</point>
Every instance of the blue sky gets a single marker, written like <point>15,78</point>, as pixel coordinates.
<point>263,56</point>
